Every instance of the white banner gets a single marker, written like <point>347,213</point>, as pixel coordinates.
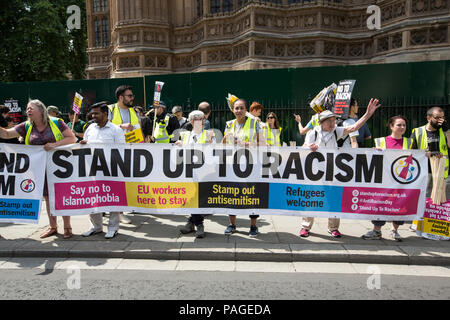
<point>22,172</point>
<point>217,179</point>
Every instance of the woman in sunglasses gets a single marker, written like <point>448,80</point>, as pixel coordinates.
<point>272,130</point>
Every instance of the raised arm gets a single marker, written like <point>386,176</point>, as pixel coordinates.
<point>371,108</point>
<point>8,133</point>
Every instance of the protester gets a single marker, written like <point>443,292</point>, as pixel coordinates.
<point>198,135</point>
<point>165,125</point>
<point>326,136</point>
<point>255,111</point>
<point>88,121</point>
<point>350,140</point>
<point>243,131</point>
<point>53,111</point>
<point>5,122</point>
<point>177,111</point>
<point>314,122</point>
<point>122,114</point>
<point>272,130</point>
<point>364,132</point>
<point>434,137</point>
<point>104,132</point>
<point>41,129</point>
<point>79,126</point>
<point>205,107</point>
<point>139,111</point>
<point>397,125</point>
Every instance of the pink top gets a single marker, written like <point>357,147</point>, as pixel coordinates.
<point>392,143</point>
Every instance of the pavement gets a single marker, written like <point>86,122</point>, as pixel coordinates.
<point>158,237</point>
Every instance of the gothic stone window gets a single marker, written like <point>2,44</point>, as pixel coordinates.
<point>218,6</point>
<point>101,30</point>
<point>100,5</point>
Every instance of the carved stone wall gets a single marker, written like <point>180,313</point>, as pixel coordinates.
<point>170,36</point>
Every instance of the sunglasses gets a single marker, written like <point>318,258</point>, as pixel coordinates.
<point>270,117</point>
<point>129,95</point>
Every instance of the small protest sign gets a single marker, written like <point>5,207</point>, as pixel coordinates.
<point>343,98</point>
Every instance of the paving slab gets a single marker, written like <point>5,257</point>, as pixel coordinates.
<point>153,250</point>
<point>319,252</point>
<point>263,252</point>
<point>208,251</point>
<point>428,255</point>
<point>267,266</point>
<point>144,264</point>
<point>99,249</point>
<point>89,263</point>
<point>32,263</point>
<point>376,254</point>
<point>206,265</point>
<point>45,248</point>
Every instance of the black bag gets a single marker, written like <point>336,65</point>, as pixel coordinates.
<point>340,123</point>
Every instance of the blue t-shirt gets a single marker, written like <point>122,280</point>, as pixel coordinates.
<point>364,132</point>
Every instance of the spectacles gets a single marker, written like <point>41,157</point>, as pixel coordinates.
<point>128,95</point>
<point>438,118</point>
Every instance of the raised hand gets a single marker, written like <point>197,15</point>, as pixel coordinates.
<point>373,105</point>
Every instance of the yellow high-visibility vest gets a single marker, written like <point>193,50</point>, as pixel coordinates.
<point>381,143</point>
<point>420,135</point>
<point>246,134</point>
<point>161,135</point>
<point>117,118</point>
<point>185,135</point>
<point>53,123</point>
<point>273,136</point>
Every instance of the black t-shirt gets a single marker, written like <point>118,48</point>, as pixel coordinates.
<point>433,143</point>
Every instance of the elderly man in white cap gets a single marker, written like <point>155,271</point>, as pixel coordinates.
<point>198,135</point>
<point>326,136</point>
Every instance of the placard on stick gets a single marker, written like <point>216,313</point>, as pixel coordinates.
<point>343,98</point>
<point>77,102</point>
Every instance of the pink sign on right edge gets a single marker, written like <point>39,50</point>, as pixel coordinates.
<point>394,202</point>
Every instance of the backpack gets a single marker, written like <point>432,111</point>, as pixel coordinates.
<point>340,123</point>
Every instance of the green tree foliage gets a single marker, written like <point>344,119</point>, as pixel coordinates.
<point>36,44</point>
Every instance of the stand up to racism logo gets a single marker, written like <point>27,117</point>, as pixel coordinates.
<point>405,169</point>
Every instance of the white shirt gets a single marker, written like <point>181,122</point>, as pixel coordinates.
<point>347,123</point>
<point>324,139</point>
<point>110,133</point>
<point>193,137</point>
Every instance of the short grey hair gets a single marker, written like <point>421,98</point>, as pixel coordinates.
<point>196,115</point>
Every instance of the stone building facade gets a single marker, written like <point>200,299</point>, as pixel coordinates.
<point>132,38</point>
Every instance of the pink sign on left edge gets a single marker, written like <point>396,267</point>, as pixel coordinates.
<point>392,202</point>
<point>89,194</point>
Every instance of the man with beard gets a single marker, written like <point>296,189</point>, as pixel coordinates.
<point>123,115</point>
<point>434,137</point>
<point>104,132</point>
